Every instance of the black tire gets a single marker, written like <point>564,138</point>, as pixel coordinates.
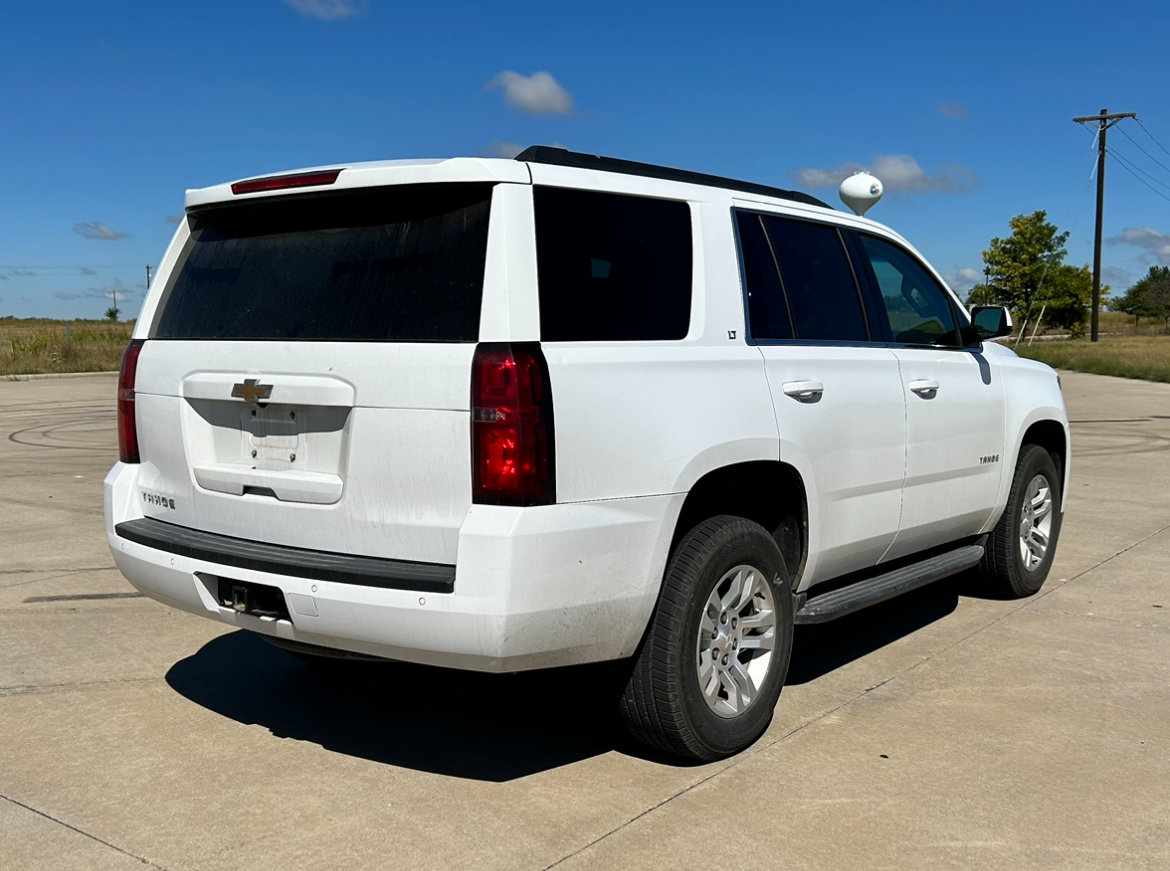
<point>1004,572</point>
<point>663,705</point>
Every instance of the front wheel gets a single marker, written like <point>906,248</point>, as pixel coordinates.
<point>1021,547</point>
<point>710,669</point>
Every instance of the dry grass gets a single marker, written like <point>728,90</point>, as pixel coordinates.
<point>1138,356</point>
<point>31,346</point>
<point>1110,324</point>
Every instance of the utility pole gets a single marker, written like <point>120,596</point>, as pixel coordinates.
<point>148,277</point>
<point>1105,121</point>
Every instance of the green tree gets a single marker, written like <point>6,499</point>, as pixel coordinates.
<point>1149,297</point>
<point>1027,273</point>
<point>1128,303</point>
<point>1066,297</point>
<point>112,312</point>
<point>982,294</point>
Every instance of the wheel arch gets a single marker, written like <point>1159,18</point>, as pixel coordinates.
<point>768,492</point>
<point>1050,435</point>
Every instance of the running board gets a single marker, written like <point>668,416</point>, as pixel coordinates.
<point>846,600</point>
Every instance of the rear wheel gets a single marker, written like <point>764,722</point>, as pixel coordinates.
<point>1021,547</point>
<point>710,669</point>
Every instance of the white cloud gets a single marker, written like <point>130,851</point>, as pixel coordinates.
<point>61,295</point>
<point>899,173</point>
<point>963,279</point>
<point>499,148</point>
<point>116,292</point>
<point>1155,243</point>
<point>329,10</point>
<point>953,110</point>
<point>537,94</point>
<point>85,270</point>
<point>1116,277</point>
<point>3,277</point>
<point>98,230</point>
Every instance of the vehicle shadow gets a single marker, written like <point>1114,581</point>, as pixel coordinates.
<point>462,724</point>
<point>478,726</point>
<point>820,649</point>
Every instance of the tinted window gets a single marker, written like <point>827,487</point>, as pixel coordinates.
<point>400,264</point>
<point>612,267</point>
<point>918,309</point>
<point>767,310</point>
<point>818,281</point>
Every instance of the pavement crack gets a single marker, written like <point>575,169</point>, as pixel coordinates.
<point>741,758</point>
<point>40,689</point>
<point>58,577</point>
<point>68,571</point>
<point>760,748</point>
<point>1102,562</point>
<point>81,832</point>
<point>82,597</point>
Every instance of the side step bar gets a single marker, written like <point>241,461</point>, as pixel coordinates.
<point>846,600</point>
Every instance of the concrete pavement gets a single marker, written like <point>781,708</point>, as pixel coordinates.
<point>940,730</point>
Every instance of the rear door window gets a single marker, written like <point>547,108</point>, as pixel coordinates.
<point>919,311</point>
<point>612,267</point>
<point>393,264</point>
<point>768,315</point>
<point>818,281</point>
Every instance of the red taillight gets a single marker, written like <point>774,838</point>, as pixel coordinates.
<point>127,427</point>
<point>280,182</point>
<point>511,426</point>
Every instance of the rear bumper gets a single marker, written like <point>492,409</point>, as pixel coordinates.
<point>281,560</point>
<point>534,587</point>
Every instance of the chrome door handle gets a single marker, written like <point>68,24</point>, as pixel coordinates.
<point>923,386</point>
<point>803,389</point>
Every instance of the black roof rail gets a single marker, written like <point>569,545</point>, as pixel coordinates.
<point>563,157</point>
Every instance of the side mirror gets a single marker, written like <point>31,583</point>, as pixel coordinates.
<point>990,321</point>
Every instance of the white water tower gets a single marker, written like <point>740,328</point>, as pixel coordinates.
<point>860,191</point>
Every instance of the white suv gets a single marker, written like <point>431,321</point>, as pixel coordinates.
<point>514,414</point>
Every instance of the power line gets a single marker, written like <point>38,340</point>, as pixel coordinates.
<point>1117,154</point>
<point>1151,135</point>
<point>1121,130</point>
<point>1103,121</point>
<point>1138,177</point>
<point>1038,295</point>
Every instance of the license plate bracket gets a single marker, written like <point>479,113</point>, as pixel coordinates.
<point>273,435</point>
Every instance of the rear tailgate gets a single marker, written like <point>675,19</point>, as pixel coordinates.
<point>306,380</point>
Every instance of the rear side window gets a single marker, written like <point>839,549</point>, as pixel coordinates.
<point>394,264</point>
<point>918,309</point>
<point>767,310</point>
<point>612,267</point>
<point>818,281</point>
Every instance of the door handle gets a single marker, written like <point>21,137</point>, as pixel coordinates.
<point>923,386</point>
<point>803,389</point>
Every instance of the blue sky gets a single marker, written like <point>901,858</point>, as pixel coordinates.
<point>109,111</point>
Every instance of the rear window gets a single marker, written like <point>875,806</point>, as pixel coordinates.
<point>394,264</point>
<point>612,267</point>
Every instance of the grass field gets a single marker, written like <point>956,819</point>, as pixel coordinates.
<point>1144,357</point>
<point>37,345</point>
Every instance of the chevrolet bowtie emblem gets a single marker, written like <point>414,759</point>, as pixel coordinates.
<point>251,390</point>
